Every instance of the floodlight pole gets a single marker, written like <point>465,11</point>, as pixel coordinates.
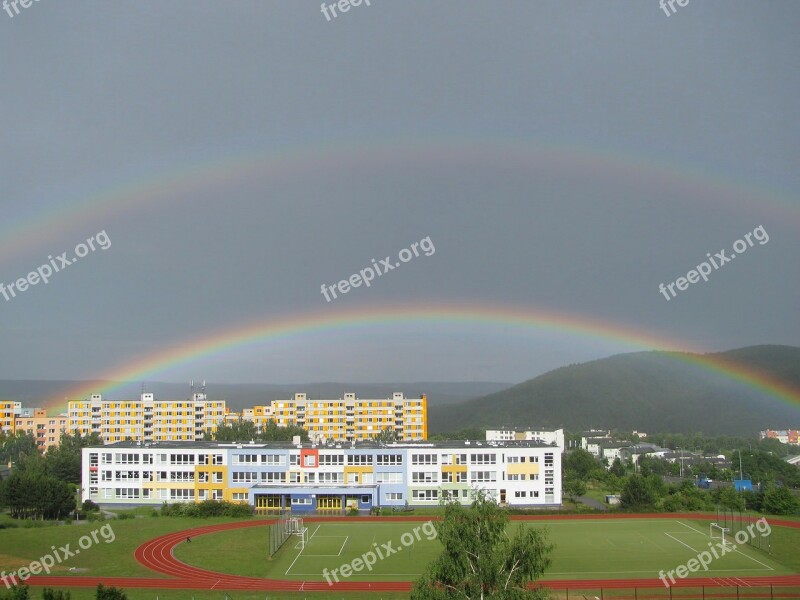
<point>740,465</point>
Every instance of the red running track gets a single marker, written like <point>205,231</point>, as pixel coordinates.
<point>157,555</point>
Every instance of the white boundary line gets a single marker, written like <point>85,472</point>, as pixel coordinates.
<point>301,551</point>
<point>680,542</point>
<point>703,533</point>
<point>343,543</point>
<point>735,549</point>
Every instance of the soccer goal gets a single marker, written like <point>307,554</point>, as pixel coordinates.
<point>294,525</point>
<point>717,531</point>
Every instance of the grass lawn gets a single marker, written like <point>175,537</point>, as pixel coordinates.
<point>20,546</point>
<point>593,549</point>
<point>585,549</point>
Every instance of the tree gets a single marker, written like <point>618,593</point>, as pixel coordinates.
<point>574,488</point>
<point>109,593</point>
<point>386,436</point>
<point>779,501</point>
<point>33,494</point>
<point>17,592</point>
<point>637,493</point>
<point>64,461</point>
<point>17,446</point>
<point>581,464</point>
<point>50,594</point>
<point>242,431</point>
<point>480,561</point>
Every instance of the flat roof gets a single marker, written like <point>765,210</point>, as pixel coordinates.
<point>206,445</point>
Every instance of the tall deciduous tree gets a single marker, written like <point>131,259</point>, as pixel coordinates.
<point>479,561</point>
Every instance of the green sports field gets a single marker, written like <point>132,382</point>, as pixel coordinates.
<point>585,549</point>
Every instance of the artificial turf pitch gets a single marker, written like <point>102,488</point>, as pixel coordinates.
<point>585,549</point>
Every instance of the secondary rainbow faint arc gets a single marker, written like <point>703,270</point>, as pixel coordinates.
<point>273,329</point>
<point>305,161</point>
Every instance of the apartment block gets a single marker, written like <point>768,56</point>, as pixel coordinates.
<point>347,419</point>
<point>553,438</point>
<point>148,419</point>
<point>46,429</point>
<point>304,477</point>
<point>9,411</point>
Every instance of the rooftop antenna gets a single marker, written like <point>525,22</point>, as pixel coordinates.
<point>191,390</point>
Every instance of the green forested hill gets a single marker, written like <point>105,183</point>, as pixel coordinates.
<point>649,391</point>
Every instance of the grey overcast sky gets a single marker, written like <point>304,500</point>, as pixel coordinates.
<point>561,155</point>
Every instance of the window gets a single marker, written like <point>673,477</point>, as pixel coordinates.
<point>245,459</point>
<point>424,477</point>
<point>388,477</point>
<point>425,495</point>
<point>483,459</point>
<point>520,494</point>
<point>394,495</point>
<point>483,476</point>
<point>239,497</point>
<point>359,459</point>
<point>272,477</point>
<point>126,493</point>
<point>181,459</point>
<point>310,460</point>
<point>272,459</point>
<point>424,459</point>
<point>331,460</point>
<point>389,460</point>
<point>331,477</point>
<point>244,477</point>
<point>294,477</point>
<point>301,501</point>
<point>126,459</point>
<point>548,459</point>
<point>352,478</point>
<point>181,495</point>
<point>365,499</point>
<point>294,459</point>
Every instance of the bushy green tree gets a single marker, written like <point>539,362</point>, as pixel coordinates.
<point>50,594</point>
<point>479,561</point>
<point>779,501</point>
<point>243,431</point>
<point>109,593</point>
<point>637,493</point>
<point>17,592</point>
<point>34,494</point>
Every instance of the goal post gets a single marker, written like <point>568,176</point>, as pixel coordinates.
<point>717,531</point>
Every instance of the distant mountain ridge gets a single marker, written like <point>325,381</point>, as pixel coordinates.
<point>648,391</point>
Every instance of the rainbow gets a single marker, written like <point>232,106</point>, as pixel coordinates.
<point>273,330</point>
<point>45,226</point>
